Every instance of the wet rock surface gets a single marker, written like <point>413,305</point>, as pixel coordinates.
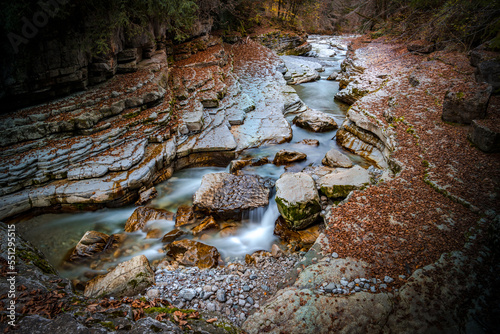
<point>284,157</point>
<point>172,235</point>
<point>206,224</point>
<point>227,195</point>
<point>334,158</point>
<point>300,70</point>
<point>316,121</point>
<point>184,216</point>
<point>298,239</point>
<point>142,215</point>
<point>92,243</point>
<point>193,253</point>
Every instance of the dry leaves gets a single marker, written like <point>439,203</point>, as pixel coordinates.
<point>405,224</point>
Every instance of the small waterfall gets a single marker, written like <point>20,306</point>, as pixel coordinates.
<point>256,234</point>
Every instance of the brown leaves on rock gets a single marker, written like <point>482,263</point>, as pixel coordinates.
<point>48,304</point>
<point>138,313</point>
<point>405,224</point>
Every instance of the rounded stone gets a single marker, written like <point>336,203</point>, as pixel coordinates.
<point>297,199</point>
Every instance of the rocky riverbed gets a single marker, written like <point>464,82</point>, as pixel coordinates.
<point>392,247</point>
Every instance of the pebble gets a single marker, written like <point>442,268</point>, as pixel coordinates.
<point>207,295</point>
<point>335,255</point>
<point>221,295</point>
<point>250,300</point>
<point>187,294</point>
<point>388,279</point>
<point>246,288</point>
<point>330,287</point>
<point>210,307</point>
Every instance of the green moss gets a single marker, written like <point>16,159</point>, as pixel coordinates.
<point>134,283</point>
<point>377,34</point>
<point>107,324</point>
<point>460,95</point>
<point>37,260</point>
<point>75,300</point>
<point>338,191</point>
<point>132,114</point>
<point>79,206</point>
<point>298,212</point>
<point>167,310</point>
<point>229,328</point>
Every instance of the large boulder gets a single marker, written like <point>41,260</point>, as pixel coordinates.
<point>487,65</point>
<point>297,200</point>
<point>485,135</point>
<point>300,70</point>
<point>193,253</point>
<point>91,243</point>
<point>464,104</point>
<point>226,195</point>
<point>342,181</point>
<point>127,279</point>
<point>305,311</point>
<point>334,158</point>
<point>142,215</point>
<point>352,92</point>
<point>316,121</point>
<point>489,71</point>
<point>284,157</point>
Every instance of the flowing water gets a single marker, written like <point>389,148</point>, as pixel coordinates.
<point>56,234</point>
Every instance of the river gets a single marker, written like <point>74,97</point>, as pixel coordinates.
<point>56,234</point>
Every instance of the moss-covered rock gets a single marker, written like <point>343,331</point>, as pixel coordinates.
<point>340,183</point>
<point>297,200</point>
<point>127,279</point>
